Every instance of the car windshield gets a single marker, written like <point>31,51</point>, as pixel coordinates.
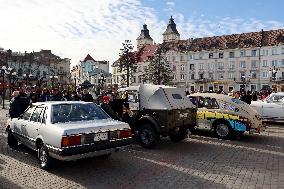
<point>77,112</point>
<point>275,98</point>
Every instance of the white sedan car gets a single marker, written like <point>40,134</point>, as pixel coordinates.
<point>271,108</point>
<point>67,131</point>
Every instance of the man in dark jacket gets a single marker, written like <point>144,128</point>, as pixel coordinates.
<point>15,105</point>
<point>56,96</point>
<point>87,97</point>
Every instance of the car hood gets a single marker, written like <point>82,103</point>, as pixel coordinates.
<point>93,126</point>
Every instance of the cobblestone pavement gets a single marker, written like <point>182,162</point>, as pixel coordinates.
<point>201,161</point>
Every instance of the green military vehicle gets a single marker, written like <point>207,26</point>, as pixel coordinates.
<point>159,110</point>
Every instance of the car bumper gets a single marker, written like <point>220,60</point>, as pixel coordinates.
<point>85,151</point>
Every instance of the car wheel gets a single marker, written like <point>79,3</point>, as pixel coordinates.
<point>12,141</point>
<point>148,136</point>
<point>178,136</point>
<point>222,130</point>
<point>45,160</point>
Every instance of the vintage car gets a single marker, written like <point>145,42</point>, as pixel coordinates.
<point>159,111</point>
<point>272,108</point>
<point>224,115</point>
<point>67,131</point>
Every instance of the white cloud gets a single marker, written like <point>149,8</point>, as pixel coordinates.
<point>72,28</point>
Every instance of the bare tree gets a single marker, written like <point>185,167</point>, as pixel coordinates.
<point>127,60</point>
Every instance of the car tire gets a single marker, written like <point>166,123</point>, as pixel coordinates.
<point>12,141</point>
<point>45,160</point>
<point>148,137</point>
<point>222,130</point>
<point>178,136</point>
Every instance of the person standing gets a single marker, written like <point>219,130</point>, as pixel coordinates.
<point>45,96</point>
<point>56,96</point>
<point>15,105</point>
<point>107,108</point>
<point>87,97</point>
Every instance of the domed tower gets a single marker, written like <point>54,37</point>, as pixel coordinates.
<point>144,38</point>
<point>171,33</point>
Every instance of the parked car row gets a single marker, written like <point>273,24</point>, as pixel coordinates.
<point>74,130</point>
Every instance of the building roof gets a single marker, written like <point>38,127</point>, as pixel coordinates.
<point>243,40</point>
<point>171,28</point>
<point>88,57</point>
<point>145,52</point>
<point>144,33</point>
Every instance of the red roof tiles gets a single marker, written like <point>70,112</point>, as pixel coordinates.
<point>88,57</point>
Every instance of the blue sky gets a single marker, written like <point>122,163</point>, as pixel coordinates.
<point>74,28</point>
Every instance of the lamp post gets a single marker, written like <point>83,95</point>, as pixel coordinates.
<point>27,77</point>
<point>102,80</point>
<point>9,72</point>
<point>273,73</point>
<point>53,77</point>
<point>244,81</point>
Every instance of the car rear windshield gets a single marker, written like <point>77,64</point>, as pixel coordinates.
<point>77,112</point>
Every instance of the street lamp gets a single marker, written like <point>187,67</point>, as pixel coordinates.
<point>244,81</point>
<point>27,77</point>
<point>10,74</point>
<point>53,78</point>
<point>273,73</point>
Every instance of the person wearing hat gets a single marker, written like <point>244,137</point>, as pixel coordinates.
<point>107,108</point>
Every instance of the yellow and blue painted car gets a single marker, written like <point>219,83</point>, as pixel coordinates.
<point>225,115</point>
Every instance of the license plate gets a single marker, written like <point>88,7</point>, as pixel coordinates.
<point>101,136</point>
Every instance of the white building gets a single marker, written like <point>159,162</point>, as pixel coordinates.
<point>225,62</point>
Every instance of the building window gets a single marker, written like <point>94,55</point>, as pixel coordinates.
<point>253,63</point>
<point>253,52</point>
<point>243,64</point>
<point>265,52</point>
<point>274,51</point>
<point>253,74</point>
<point>192,76</point>
<point>211,66</point>
<point>210,55</point>
<point>231,75</point>
<point>220,65</point>
<point>174,77</point>
<point>174,67</point>
<point>264,74</point>
<point>232,54</point>
<point>242,75</point>
<point>182,67</point>
<point>264,63</point>
<point>181,76</point>
<point>201,76</point>
<point>181,58</point>
<point>221,76</point>
<point>191,66</point>
<point>282,50</point>
<point>201,55</point>
<point>210,76</point>
<point>232,65</point>
<point>274,63</point>
<point>201,66</point>
<point>243,53</point>
<point>174,58</point>
<point>221,55</point>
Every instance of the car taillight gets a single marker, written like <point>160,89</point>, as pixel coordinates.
<point>71,140</point>
<point>125,133</point>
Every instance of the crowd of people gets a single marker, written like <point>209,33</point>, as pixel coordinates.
<point>113,103</point>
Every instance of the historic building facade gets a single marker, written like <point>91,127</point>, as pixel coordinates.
<point>250,61</point>
<point>41,68</point>
<point>95,72</point>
